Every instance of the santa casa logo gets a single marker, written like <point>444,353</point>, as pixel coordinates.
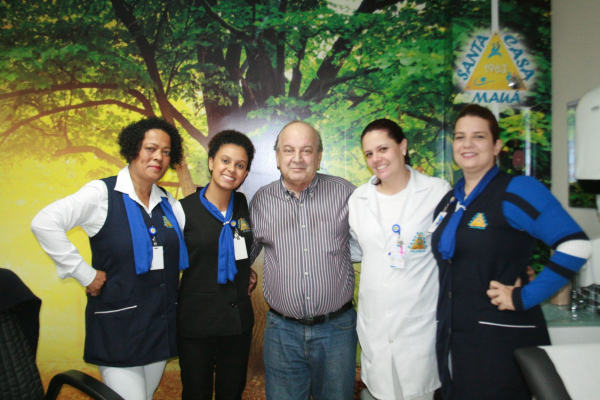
<point>418,244</point>
<point>243,224</point>
<point>479,221</point>
<point>496,69</point>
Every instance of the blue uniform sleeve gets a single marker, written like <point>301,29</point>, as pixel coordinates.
<point>529,206</point>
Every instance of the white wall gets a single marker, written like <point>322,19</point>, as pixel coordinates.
<point>575,70</point>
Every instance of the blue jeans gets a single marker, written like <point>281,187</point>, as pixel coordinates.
<point>301,360</point>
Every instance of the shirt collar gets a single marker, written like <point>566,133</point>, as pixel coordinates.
<point>124,184</point>
<point>415,184</point>
<point>288,194</point>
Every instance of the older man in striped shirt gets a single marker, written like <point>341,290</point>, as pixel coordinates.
<point>301,220</point>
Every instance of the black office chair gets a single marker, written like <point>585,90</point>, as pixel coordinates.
<point>541,375</point>
<point>19,331</point>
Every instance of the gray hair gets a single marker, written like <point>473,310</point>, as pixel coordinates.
<point>312,128</point>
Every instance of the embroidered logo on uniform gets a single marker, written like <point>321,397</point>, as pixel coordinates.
<point>167,222</point>
<point>418,244</point>
<point>244,226</point>
<point>479,221</point>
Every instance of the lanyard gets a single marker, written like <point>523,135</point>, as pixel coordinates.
<point>152,230</point>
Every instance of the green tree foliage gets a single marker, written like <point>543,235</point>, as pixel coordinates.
<point>72,73</point>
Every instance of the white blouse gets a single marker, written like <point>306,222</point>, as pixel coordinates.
<point>87,208</point>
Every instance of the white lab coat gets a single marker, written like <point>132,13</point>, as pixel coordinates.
<point>397,307</point>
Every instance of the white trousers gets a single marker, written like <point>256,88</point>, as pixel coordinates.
<point>134,383</point>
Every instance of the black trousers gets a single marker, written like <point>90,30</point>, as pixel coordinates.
<point>224,359</point>
<point>484,366</point>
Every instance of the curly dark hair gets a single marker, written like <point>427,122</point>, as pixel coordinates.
<point>231,136</point>
<point>132,136</point>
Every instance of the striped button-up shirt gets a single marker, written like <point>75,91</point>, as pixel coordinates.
<point>307,270</point>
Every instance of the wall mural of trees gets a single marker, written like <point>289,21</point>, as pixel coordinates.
<point>73,73</point>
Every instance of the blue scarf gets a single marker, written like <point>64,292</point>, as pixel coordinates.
<point>448,238</point>
<point>142,245</point>
<point>226,267</point>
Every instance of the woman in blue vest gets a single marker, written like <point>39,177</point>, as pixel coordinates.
<point>489,223</point>
<point>137,252</point>
<point>215,317</point>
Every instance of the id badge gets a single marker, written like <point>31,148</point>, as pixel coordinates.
<point>157,258</point>
<point>438,220</point>
<point>397,255</point>
<point>239,246</point>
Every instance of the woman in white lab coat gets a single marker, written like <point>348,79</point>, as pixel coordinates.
<point>391,217</point>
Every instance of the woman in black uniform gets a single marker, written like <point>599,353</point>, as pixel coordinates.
<point>483,245</point>
<point>215,317</point>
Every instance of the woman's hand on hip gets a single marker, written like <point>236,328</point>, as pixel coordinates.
<point>501,295</point>
<point>94,288</point>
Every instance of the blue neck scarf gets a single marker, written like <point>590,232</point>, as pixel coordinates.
<point>226,267</point>
<point>448,238</point>
<point>142,245</point>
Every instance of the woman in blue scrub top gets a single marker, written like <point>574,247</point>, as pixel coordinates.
<point>487,308</point>
<point>137,252</point>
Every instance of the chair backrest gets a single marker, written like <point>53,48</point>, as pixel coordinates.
<point>19,376</point>
<point>562,372</point>
<point>19,332</point>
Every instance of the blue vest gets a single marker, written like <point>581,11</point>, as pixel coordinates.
<point>487,248</point>
<point>132,322</point>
